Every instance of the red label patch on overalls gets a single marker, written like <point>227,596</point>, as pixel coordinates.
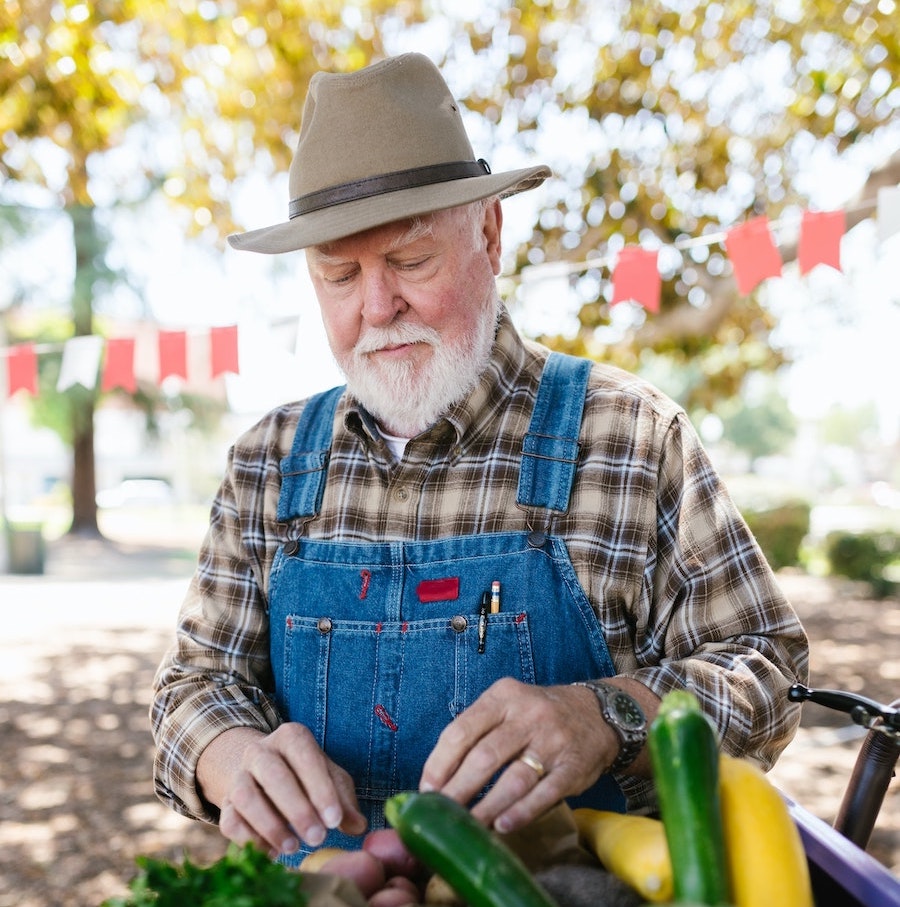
<point>438,590</point>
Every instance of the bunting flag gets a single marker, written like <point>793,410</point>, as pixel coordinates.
<point>22,369</point>
<point>173,354</point>
<point>82,357</point>
<point>80,362</point>
<point>118,370</point>
<point>753,253</point>
<point>223,342</point>
<point>888,215</point>
<point>636,277</point>
<point>820,239</point>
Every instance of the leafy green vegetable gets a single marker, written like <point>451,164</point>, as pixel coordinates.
<point>244,877</point>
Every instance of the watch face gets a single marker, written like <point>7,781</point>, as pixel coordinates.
<point>628,711</point>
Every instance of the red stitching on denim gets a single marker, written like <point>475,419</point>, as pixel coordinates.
<point>378,627</point>
<point>385,718</point>
<point>404,626</point>
<point>520,617</point>
<point>290,623</point>
<point>366,577</point>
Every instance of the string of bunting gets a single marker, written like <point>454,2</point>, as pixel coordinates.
<point>634,276</point>
<point>84,363</point>
<point>750,246</point>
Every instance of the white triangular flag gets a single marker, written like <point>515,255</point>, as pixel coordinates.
<point>888,214</point>
<point>283,333</point>
<point>80,362</point>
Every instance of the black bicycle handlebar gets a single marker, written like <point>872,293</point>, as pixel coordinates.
<point>862,710</point>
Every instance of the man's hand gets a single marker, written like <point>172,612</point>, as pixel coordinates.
<point>552,740</point>
<point>273,788</point>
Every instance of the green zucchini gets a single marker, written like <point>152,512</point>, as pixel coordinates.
<point>684,754</point>
<point>473,861</point>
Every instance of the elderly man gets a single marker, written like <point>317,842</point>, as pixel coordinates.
<point>478,566</point>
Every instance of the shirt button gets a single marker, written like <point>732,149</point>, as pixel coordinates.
<point>401,494</point>
<point>458,622</point>
<point>324,625</point>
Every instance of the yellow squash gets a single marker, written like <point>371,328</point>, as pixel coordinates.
<point>766,861</point>
<point>631,847</point>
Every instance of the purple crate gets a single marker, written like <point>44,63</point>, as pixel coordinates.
<point>843,874</point>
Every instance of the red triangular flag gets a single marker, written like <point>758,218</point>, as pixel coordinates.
<point>753,253</point>
<point>172,354</point>
<point>22,369</point>
<point>118,370</point>
<point>820,239</point>
<point>223,343</point>
<point>636,277</point>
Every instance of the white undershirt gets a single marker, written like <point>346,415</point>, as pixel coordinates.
<point>395,445</point>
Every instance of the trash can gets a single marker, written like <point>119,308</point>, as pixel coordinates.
<point>25,549</point>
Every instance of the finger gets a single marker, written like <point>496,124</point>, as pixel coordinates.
<point>311,792</point>
<point>352,821</point>
<point>235,829</point>
<point>272,799</point>
<point>250,812</point>
<point>468,747</point>
<point>519,796</point>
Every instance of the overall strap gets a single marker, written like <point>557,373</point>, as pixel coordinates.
<point>550,448</point>
<point>304,470</point>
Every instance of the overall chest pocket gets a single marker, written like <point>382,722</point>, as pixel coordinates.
<point>378,694</point>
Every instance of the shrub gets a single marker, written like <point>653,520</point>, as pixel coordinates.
<point>780,531</point>
<point>864,556</point>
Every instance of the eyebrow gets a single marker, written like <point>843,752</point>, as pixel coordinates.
<point>419,228</point>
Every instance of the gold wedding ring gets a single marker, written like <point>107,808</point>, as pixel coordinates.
<point>534,763</point>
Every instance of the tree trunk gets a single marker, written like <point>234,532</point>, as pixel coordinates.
<point>88,245</point>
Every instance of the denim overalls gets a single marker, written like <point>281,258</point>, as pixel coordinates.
<point>375,647</point>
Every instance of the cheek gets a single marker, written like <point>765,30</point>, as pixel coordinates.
<point>341,328</point>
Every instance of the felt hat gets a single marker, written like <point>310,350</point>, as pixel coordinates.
<point>378,145</point>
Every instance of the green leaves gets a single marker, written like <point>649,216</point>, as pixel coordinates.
<point>244,877</point>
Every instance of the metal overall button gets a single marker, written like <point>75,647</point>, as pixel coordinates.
<point>458,623</point>
<point>324,625</point>
<point>291,547</point>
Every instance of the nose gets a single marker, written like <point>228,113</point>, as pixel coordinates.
<point>382,299</point>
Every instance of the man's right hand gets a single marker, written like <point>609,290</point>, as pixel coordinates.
<point>275,788</point>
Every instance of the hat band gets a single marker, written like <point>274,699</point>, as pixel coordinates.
<point>388,182</point>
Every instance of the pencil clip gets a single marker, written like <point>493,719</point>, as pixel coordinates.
<point>482,621</point>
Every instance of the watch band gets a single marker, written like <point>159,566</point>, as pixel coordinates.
<point>631,738</point>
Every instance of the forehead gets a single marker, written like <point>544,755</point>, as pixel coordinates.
<point>385,239</point>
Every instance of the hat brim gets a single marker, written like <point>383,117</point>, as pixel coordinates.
<point>330,224</point>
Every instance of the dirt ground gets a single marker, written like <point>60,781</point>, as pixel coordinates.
<point>77,656</point>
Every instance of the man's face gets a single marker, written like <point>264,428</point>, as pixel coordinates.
<point>410,310</point>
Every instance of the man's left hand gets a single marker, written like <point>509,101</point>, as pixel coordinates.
<point>552,742</point>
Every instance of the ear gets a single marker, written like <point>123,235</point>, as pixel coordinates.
<point>493,226</point>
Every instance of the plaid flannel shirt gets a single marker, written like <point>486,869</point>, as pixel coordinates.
<point>680,587</point>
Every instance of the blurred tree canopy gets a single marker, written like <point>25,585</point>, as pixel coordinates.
<point>661,120</point>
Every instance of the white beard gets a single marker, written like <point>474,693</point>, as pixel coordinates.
<point>406,399</point>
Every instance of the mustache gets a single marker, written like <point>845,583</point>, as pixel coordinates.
<point>396,335</point>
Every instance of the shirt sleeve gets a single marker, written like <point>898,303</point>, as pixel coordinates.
<point>217,675</point>
<point>712,618</point>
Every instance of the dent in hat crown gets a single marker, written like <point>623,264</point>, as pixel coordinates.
<point>392,116</point>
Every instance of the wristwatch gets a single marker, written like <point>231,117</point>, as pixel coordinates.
<point>625,716</point>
